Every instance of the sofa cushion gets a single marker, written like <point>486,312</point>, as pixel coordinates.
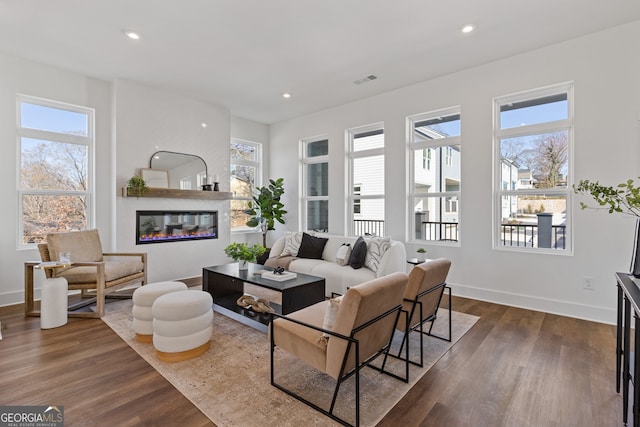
<point>311,246</point>
<point>343,254</point>
<point>292,243</point>
<point>358,254</point>
<point>376,247</point>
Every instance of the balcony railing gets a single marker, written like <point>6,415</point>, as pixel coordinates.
<point>522,235</point>
<point>526,235</point>
<point>368,227</point>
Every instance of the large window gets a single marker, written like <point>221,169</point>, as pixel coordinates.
<point>434,195</point>
<point>533,134</point>
<point>55,183</point>
<point>315,188</point>
<point>366,198</point>
<point>246,158</point>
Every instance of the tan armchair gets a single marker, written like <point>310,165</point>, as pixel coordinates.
<point>93,272</point>
<point>427,282</point>
<point>364,326</point>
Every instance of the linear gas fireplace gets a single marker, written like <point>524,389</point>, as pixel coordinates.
<point>175,226</point>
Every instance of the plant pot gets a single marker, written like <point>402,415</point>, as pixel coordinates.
<point>421,256</point>
<point>243,265</point>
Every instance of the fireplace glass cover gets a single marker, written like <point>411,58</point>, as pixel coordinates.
<point>175,226</point>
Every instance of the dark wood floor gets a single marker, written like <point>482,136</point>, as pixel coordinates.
<point>514,368</point>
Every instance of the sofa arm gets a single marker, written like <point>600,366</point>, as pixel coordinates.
<point>393,260</point>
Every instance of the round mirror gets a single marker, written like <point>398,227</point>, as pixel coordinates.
<point>185,171</point>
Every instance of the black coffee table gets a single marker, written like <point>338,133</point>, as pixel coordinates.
<point>226,282</point>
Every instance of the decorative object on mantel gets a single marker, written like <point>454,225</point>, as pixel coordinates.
<point>422,253</point>
<point>267,208</point>
<point>136,186</point>
<point>216,181</point>
<point>625,199</point>
<point>243,253</point>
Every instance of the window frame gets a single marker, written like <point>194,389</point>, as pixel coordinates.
<point>563,125</point>
<point>305,161</point>
<point>258,176</point>
<point>447,156</point>
<point>352,156</point>
<point>55,137</point>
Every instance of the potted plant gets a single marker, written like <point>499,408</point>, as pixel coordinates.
<point>136,186</point>
<point>421,254</point>
<point>243,253</point>
<point>623,198</point>
<point>266,208</point>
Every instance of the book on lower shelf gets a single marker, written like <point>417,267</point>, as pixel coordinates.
<point>287,275</point>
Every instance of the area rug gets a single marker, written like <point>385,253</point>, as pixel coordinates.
<point>230,383</point>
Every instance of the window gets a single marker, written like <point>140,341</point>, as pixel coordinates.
<point>246,158</point>
<point>366,161</point>
<point>315,197</point>
<point>56,177</point>
<point>533,134</point>
<point>434,194</point>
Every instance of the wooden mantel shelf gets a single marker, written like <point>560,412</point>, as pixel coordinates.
<point>177,194</point>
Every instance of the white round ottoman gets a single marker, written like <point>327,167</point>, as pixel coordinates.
<point>143,298</point>
<point>182,325</point>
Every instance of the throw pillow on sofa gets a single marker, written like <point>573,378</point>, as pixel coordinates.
<point>376,247</point>
<point>343,254</point>
<point>311,246</point>
<point>291,244</point>
<point>358,254</point>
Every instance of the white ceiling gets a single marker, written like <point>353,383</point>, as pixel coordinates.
<point>243,54</point>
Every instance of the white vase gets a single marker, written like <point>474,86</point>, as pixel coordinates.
<point>421,256</point>
<point>243,265</point>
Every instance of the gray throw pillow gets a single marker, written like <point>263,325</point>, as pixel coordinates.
<point>358,254</point>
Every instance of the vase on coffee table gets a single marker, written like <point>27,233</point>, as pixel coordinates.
<point>243,264</point>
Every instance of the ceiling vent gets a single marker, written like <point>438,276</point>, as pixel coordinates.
<point>366,79</point>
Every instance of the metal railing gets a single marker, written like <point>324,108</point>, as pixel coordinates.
<point>368,227</point>
<point>526,235</point>
<point>440,231</point>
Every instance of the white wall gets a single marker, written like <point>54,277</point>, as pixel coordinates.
<point>132,122</point>
<point>146,120</point>
<point>26,77</point>
<point>605,68</point>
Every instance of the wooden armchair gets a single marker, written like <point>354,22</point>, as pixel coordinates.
<point>364,327</point>
<point>93,272</point>
<point>427,282</point>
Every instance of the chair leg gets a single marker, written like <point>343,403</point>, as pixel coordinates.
<point>448,339</point>
<point>100,291</point>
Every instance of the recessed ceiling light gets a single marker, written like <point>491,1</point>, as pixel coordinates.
<point>132,34</point>
<point>467,28</point>
<point>286,95</point>
<point>203,124</point>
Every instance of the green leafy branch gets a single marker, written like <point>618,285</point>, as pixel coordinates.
<point>624,198</point>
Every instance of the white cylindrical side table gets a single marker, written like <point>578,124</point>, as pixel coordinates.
<point>53,300</point>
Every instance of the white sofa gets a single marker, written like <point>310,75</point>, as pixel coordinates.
<point>339,278</point>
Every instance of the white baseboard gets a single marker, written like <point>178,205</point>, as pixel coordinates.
<point>562,308</point>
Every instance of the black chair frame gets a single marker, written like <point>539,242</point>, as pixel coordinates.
<point>417,304</point>
<point>345,375</point>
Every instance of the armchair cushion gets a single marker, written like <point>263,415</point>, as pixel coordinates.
<point>360,304</point>
<point>112,270</point>
<point>84,245</point>
<point>306,343</point>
